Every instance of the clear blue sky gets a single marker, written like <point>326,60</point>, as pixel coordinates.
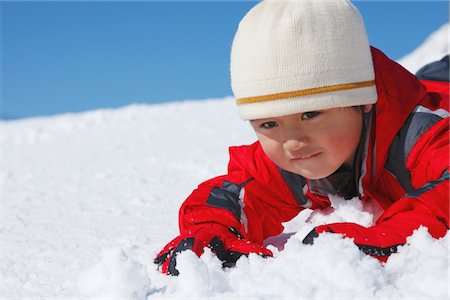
<point>74,56</point>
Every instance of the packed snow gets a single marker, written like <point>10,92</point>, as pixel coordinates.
<point>89,199</point>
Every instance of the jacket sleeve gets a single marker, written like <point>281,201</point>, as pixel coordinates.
<point>238,200</point>
<point>427,204</point>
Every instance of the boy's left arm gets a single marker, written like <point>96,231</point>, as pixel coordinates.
<point>427,205</point>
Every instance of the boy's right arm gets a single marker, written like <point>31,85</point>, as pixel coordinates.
<point>234,213</point>
<point>213,216</point>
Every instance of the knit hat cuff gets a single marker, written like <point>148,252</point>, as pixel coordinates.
<point>281,107</point>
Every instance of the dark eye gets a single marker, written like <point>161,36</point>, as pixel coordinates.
<point>268,125</point>
<point>310,115</point>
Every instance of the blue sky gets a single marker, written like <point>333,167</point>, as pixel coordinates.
<point>61,57</point>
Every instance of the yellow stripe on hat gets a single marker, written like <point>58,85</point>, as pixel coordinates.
<point>307,92</point>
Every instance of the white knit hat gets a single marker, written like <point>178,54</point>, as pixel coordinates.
<point>297,56</point>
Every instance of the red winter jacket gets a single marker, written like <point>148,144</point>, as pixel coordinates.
<point>405,172</point>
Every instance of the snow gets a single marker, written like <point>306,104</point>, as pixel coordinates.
<point>116,275</point>
<point>88,199</point>
<point>434,48</point>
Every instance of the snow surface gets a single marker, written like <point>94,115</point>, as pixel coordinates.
<point>88,199</point>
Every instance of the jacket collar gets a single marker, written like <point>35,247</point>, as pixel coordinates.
<point>399,92</point>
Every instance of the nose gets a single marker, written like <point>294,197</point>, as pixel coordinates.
<point>293,144</point>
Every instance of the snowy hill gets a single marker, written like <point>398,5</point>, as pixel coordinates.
<point>88,199</point>
<point>433,48</point>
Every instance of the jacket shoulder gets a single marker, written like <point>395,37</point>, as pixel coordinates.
<point>250,159</point>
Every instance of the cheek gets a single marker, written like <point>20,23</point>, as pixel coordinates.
<point>343,140</point>
<point>272,148</point>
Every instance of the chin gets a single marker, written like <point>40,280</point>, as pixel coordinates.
<point>313,175</point>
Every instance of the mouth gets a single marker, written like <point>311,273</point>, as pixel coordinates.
<point>305,157</point>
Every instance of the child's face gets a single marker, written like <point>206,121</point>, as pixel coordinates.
<point>312,144</point>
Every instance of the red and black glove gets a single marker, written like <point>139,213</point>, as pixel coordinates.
<point>224,241</point>
<point>375,241</point>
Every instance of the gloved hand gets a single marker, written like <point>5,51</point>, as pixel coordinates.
<point>376,241</point>
<point>224,241</point>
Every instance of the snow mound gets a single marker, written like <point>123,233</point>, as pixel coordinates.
<point>422,255</point>
<point>115,276</point>
<point>332,268</point>
<point>435,47</point>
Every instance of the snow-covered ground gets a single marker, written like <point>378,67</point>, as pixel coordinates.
<point>88,199</point>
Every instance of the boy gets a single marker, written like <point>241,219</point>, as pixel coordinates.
<point>332,116</point>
